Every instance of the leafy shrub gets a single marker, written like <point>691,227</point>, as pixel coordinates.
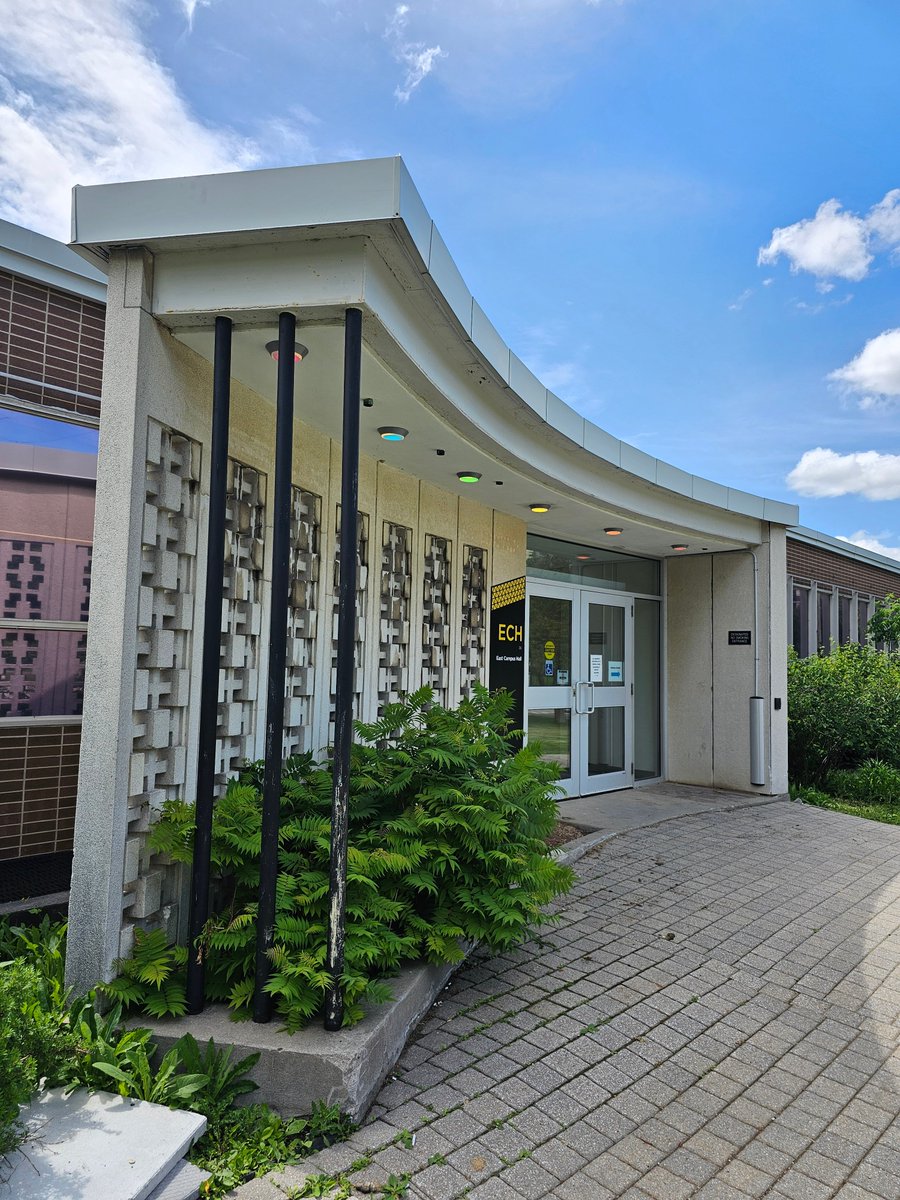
<point>153,978</point>
<point>810,795</point>
<point>884,626</point>
<point>872,783</point>
<point>446,845</point>
<point>225,1080</point>
<point>843,709</point>
<point>34,1044</point>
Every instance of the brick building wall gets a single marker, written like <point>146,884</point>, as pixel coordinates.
<point>51,346</point>
<point>824,566</point>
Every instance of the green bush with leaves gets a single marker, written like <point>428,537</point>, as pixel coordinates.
<point>884,625</point>
<point>35,1043</point>
<point>874,782</point>
<point>153,978</point>
<point>446,846</point>
<point>843,710</point>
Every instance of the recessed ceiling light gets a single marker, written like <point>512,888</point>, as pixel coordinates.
<point>583,557</point>
<point>539,508</point>
<point>468,476</point>
<point>300,351</point>
<point>679,546</point>
<point>392,433</point>
<point>612,531</point>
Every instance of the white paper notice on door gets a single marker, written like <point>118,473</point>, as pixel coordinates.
<point>596,668</point>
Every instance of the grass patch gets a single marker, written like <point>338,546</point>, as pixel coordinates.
<point>886,813</point>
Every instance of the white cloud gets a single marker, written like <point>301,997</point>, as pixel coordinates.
<point>884,220</point>
<point>836,243</point>
<point>83,100</point>
<point>499,54</point>
<point>738,303</point>
<point>418,58</point>
<point>871,541</point>
<point>833,242</point>
<point>190,9</point>
<point>875,372</point>
<point>866,473</point>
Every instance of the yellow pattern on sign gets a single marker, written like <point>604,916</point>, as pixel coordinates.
<point>549,649</point>
<point>510,592</point>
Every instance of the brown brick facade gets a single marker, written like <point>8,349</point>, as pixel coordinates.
<point>51,347</point>
<point>825,566</point>
<point>38,783</point>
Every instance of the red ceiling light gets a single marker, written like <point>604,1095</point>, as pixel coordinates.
<point>613,531</point>
<point>679,546</point>
<point>300,351</point>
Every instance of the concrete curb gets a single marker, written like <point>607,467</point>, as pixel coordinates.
<point>345,1068</point>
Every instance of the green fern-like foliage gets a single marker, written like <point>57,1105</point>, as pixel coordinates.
<point>448,822</point>
<point>153,978</point>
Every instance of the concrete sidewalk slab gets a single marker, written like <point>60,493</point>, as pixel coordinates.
<point>639,807</point>
<point>97,1146</point>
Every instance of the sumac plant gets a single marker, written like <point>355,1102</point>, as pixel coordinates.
<point>446,846</point>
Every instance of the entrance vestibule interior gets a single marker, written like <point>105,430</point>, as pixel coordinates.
<point>592,697</point>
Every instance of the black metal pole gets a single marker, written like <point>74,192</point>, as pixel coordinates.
<point>209,679</point>
<point>278,612</point>
<point>346,642</point>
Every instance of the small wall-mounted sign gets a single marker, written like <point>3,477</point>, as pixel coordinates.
<point>615,672</point>
<point>548,666</point>
<point>738,637</point>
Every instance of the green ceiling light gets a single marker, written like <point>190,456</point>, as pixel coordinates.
<point>300,351</point>
<point>468,476</point>
<point>392,433</point>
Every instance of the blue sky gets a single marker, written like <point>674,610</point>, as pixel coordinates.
<point>609,176</point>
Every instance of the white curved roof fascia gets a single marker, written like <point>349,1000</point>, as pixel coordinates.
<point>335,199</point>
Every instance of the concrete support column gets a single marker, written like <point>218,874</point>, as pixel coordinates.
<point>95,902</point>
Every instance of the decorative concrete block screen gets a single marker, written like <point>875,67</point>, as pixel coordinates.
<point>165,617</point>
<point>241,617</point>
<point>396,588</point>
<point>162,668</point>
<point>473,618</point>
<point>436,616</point>
<point>362,597</point>
<point>303,611</point>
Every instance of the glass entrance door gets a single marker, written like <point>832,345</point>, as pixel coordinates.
<point>603,694</point>
<point>579,690</point>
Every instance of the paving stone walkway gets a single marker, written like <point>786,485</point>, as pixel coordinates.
<point>716,1014</point>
